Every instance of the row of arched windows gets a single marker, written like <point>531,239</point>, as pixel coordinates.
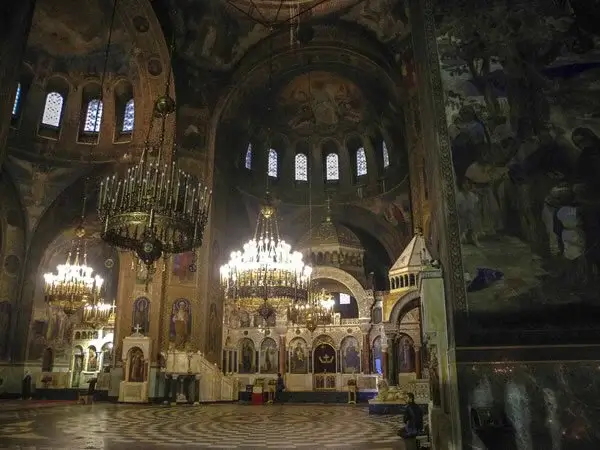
<point>332,165</point>
<point>53,112</point>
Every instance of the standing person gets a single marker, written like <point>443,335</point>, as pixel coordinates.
<point>280,386</point>
<point>413,419</point>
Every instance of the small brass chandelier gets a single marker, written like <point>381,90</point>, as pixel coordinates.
<point>266,275</point>
<point>316,311</point>
<point>155,208</point>
<point>73,285</point>
<point>99,314</point>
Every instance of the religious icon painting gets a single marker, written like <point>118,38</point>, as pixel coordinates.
<point>268,356</point>
<point>350,355</point>
<point>298,356</point>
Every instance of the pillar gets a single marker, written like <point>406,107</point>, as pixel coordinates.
<point>384,361</point>
<point>15,22</point>
<point>282,354</point>
<point>366,354</point>
<point>418,368</point>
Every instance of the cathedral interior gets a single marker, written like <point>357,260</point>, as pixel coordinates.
<point>429,168</point>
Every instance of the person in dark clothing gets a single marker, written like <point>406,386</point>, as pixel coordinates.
<point>413,419</point>
<point>280,386</point>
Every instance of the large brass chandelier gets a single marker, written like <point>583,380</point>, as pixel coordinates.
<point>266,275</point>
<point>316,311</point>
<point>73,285</point>
<point>155,208</point>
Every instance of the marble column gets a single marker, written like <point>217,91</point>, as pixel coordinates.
<point>366,354</point>
<point>15,22</point>
<point>384,361</point>
<point>282,354</point>
<point>418,368</point>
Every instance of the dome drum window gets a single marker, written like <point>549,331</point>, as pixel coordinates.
<point>53,113</point>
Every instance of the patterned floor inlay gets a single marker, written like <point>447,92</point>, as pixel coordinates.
<point>110,426</point>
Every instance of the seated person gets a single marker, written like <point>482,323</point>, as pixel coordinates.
<point>413,419</point>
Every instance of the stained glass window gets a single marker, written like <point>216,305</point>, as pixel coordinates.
<point>52,109</point>
<point>361,162</point>
<point>386,155</point>
<point>15,109</point>
<point>272,165</point>
<point>93,116</point>
<point>332,167</point>
<point>128,117</point>
<point>249,157</point>
<point>301,167</point>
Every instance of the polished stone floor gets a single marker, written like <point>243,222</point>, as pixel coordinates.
<point>131,427</point>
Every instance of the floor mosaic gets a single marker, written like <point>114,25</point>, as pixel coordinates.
<point>132,427</point>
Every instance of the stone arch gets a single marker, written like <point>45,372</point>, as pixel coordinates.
<point>363,299</point>
<point>404,304</point>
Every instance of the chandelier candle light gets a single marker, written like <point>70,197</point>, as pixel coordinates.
<point>155,208</point>
<point>266,273</point>
<point>73,286</point>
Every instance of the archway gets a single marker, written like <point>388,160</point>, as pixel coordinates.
<point>347,280</point>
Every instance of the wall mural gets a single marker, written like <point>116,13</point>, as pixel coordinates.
<point>329,103</point>
<point>520,90</point>
<point>184,269</point>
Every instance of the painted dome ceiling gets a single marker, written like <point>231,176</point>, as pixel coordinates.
<point>271,11</point>
<point>72,28</point>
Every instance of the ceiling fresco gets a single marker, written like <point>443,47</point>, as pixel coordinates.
<point>216,34</point>
<point>320,102</point>
<point>270,11</point>
<point>60,31</point>
<point>76,32</point>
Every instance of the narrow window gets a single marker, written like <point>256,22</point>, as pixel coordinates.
<point>386,155</point>
<point>361,162</point>
<point>332,167</point>
<point>248,162</point>
<point>93,116</point>
<point>128,116</point>
<point>15,108</point>
<point>301,167</point>
<point>53,109</point>
<point>272,164</point>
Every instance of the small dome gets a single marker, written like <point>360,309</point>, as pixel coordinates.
<point>329,234</point>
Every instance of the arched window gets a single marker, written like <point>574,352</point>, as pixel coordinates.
<point>93,116</point>
<point>272,164</point>
<point>361,162</point>
<point>128,116</point>
<point>386,155</point>
<point>53,109</point>
<point>15,109</point>
<point>248,162</point>
<point>301,167</point>
<point>332,167</point>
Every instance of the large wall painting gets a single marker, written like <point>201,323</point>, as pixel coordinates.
<point>521,88</point>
